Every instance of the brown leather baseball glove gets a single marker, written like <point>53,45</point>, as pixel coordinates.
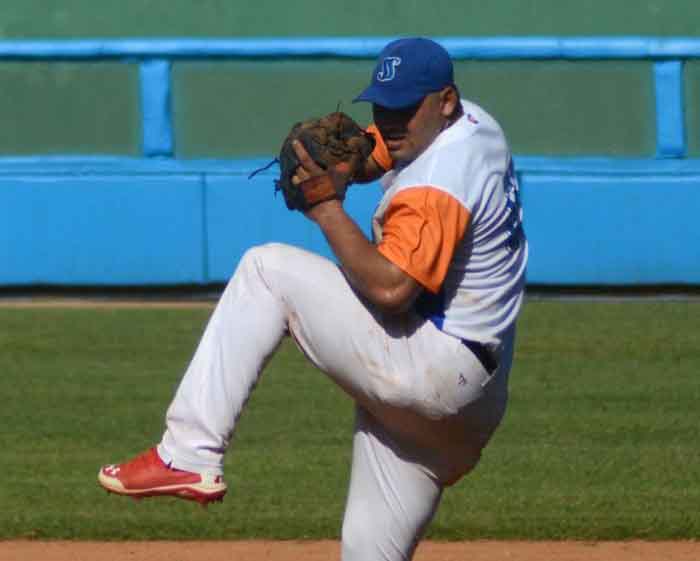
<point>336,143</point>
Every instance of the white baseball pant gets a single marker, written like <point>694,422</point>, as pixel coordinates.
<point>425,404</point>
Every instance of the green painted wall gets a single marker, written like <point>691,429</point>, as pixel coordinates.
<point>692,104</point>
<point>244,108</point>
<point>588,108</point>
<point>108,18</point>
<point>69,108</point>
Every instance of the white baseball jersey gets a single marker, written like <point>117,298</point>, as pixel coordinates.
<point>474,273</point>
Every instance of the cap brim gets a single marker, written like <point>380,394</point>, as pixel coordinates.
<point>387,98</point>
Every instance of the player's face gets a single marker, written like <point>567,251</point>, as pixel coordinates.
<point>409,131</point>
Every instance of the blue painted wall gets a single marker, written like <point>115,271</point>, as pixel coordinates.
<point>121,222</point>
<point>612,229</point>
<point>108,229</point>
<point>137,222</point>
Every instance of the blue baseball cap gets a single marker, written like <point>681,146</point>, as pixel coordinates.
<point>407,70</point>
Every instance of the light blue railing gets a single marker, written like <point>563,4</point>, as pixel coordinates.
<point>156,58</point>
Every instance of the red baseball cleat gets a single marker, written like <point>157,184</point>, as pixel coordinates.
<point>148,476</point>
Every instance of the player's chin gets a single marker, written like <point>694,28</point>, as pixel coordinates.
<point>403,155</point>
<point>396,149</point>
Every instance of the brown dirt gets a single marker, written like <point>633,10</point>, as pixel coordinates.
<point>330,550</point>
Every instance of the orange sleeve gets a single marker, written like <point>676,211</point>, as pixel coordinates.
<point>422,227</point>
<point>380,153</point>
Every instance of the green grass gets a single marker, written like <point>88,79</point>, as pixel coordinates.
<point>600,440</point>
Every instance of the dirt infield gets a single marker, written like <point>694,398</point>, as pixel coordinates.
<point>330,550</point>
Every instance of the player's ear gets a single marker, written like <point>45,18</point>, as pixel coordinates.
<point>449,99</point>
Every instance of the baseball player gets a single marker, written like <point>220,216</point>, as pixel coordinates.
<point>417,326</point>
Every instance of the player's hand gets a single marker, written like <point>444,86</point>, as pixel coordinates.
<point>339,174</point>
<point>308,167</point>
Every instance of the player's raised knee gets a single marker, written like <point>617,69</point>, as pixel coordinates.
<point>269,254</point>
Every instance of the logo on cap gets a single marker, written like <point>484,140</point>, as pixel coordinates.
<point>388,71</point>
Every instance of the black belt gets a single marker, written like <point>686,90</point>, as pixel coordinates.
<point>486,357</point>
